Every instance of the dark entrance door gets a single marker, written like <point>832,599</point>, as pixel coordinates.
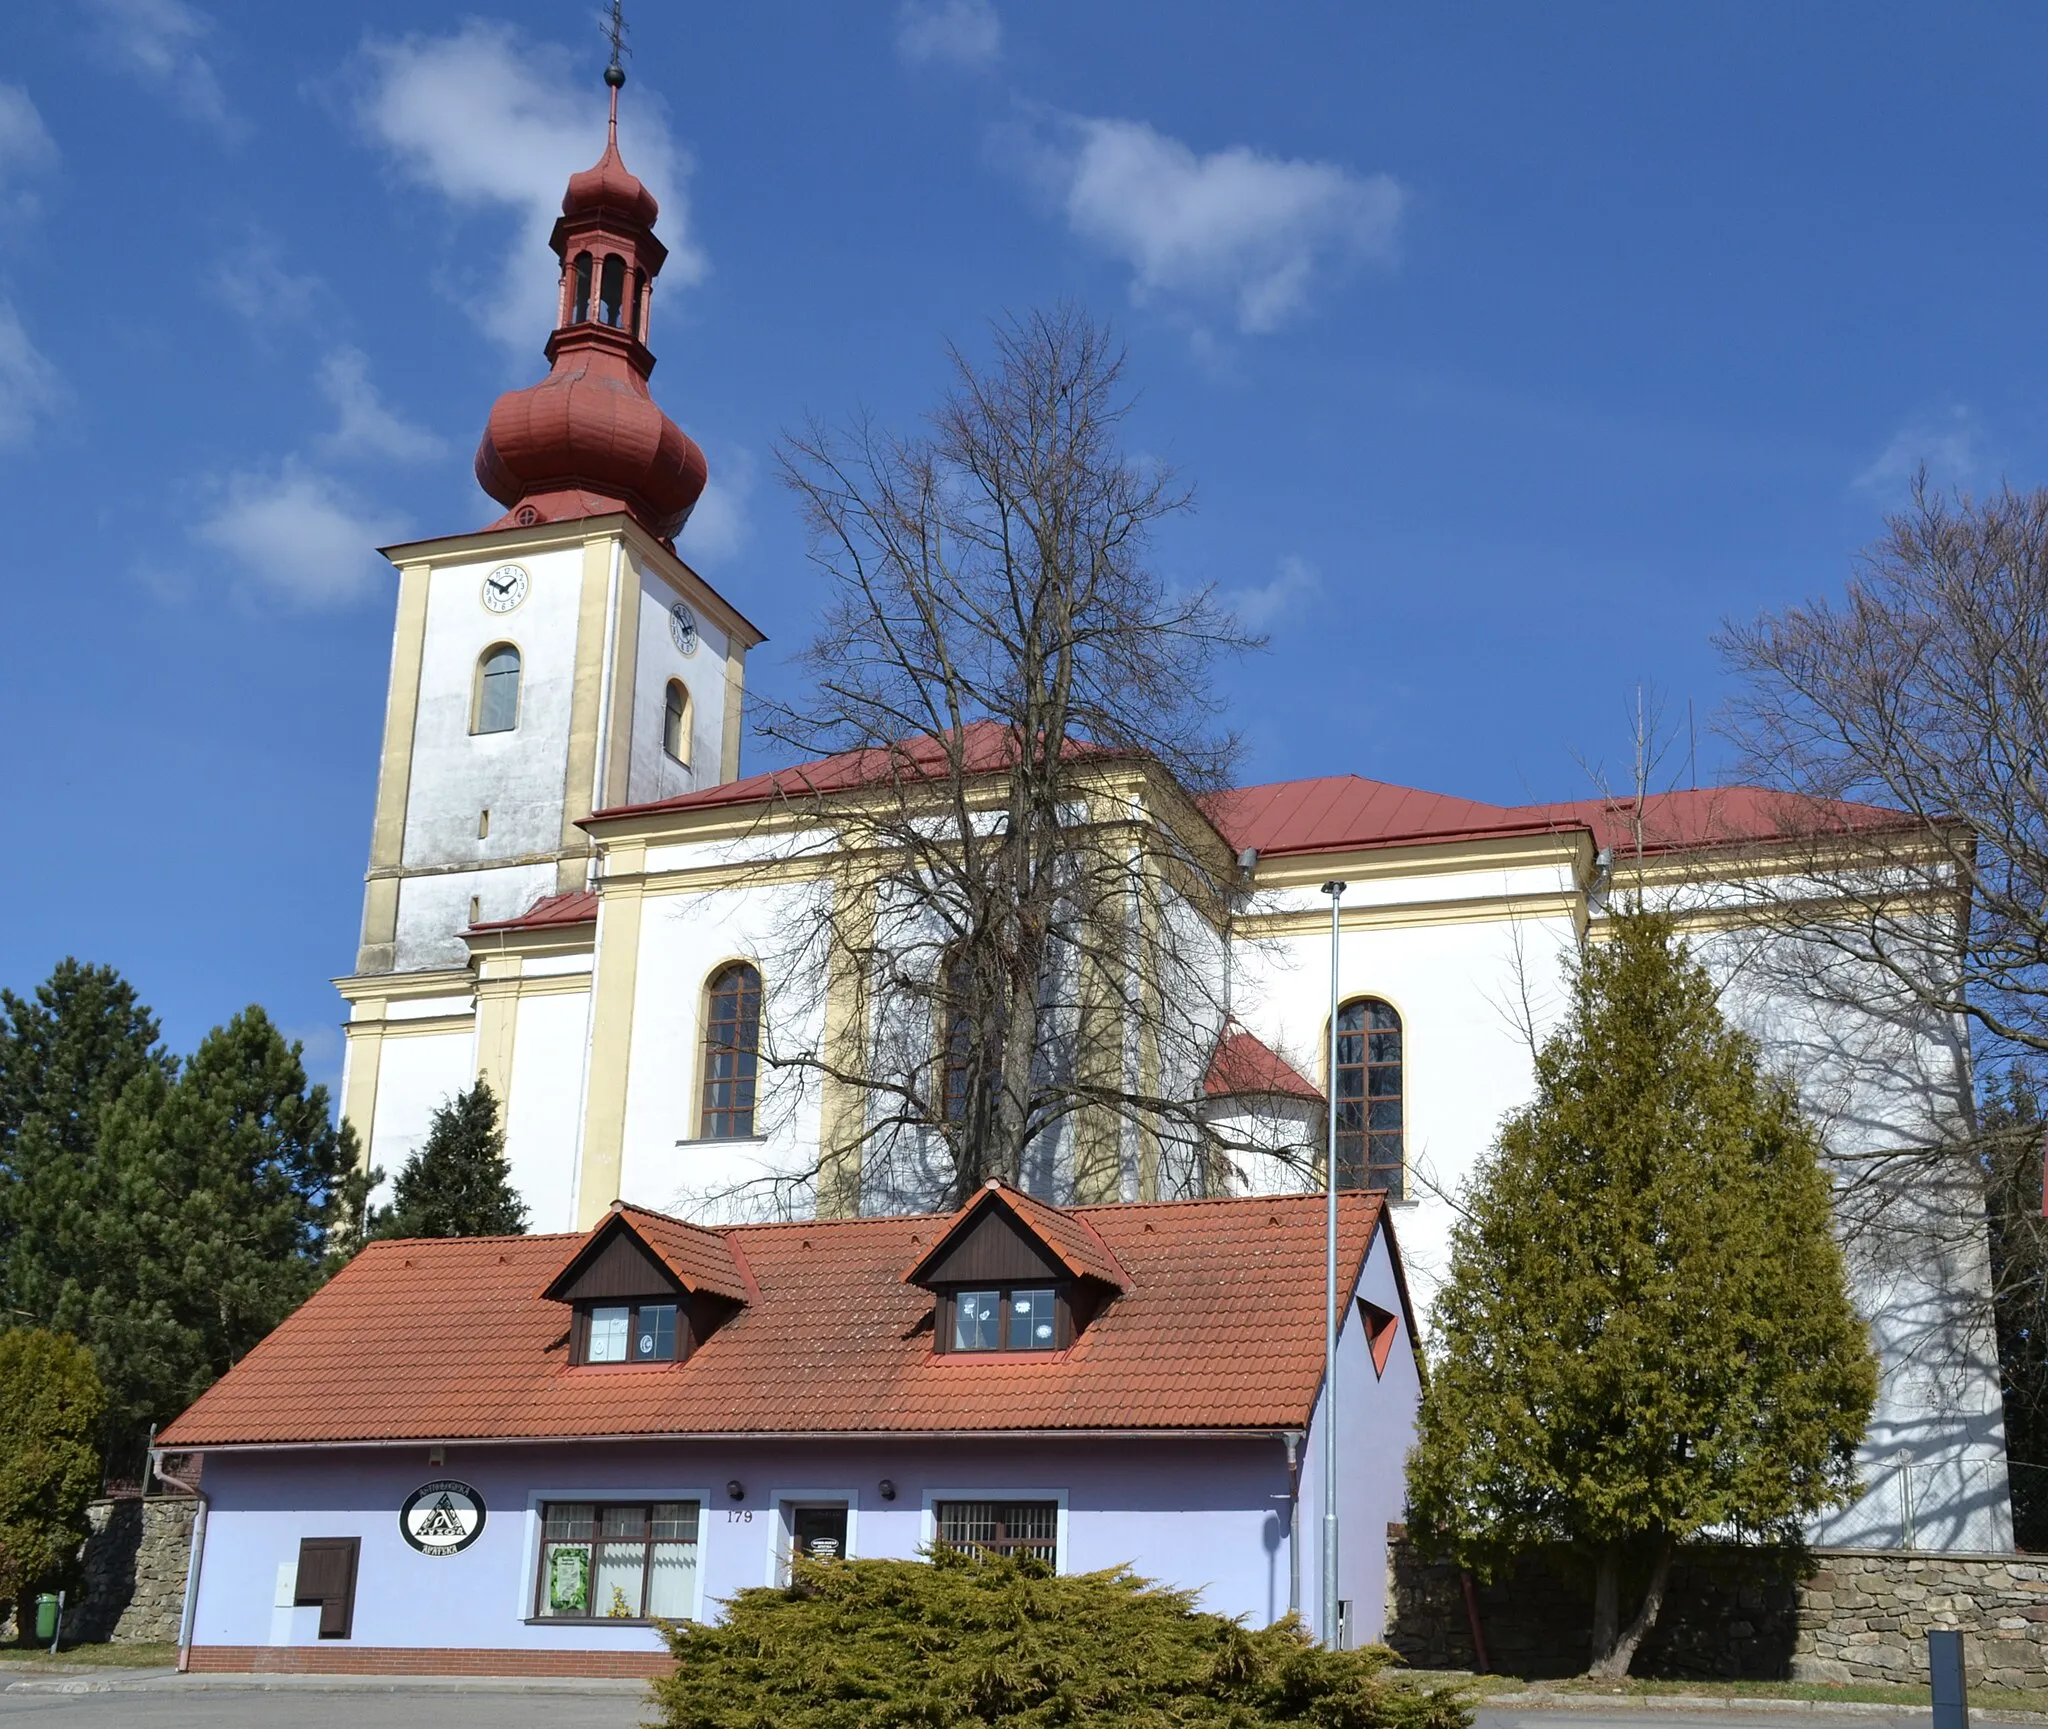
<point>819,1532</point>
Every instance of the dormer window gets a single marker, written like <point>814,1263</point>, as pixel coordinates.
<point>1021,1318</point>
<point>630,1333</point>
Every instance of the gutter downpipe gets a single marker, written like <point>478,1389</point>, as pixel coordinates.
<point>1293,1442</point>
<point>192,1562</point>
<point>1329,1629</point>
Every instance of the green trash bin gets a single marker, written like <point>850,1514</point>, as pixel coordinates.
<point>46,1617</point>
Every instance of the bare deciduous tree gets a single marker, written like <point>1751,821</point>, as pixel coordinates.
<point>1022,913</point>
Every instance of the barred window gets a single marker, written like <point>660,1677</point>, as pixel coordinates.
<point>1001,1527</point>
<point>1369,1095</point>
<point>620,1562</point>
<point>732,1052</point>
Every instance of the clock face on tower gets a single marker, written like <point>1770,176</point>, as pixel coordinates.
<point>682,626</point>
<point>504,588</point>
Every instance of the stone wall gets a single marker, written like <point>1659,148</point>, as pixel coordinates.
<point>134,1563</point>
<point>1742,1614</point>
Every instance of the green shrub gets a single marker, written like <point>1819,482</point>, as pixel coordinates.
<point>50,1407</point>
<point>965,1641</point>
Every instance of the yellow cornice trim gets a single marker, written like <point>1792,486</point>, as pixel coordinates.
<point>1427,858</point>
<point>1480,909</point>
<point>399,987</point>
<point>419,1026</point>
<point>535,985</point>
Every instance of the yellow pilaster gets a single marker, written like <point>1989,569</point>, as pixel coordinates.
<point>843,1105</point>
<point>365,1052</point>
<point>735,710</point>
<point>394,772</point>
<point>497,1023</point>
<point>611,1034</point>
<point>585,705</point>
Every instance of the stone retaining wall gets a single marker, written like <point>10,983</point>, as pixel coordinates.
<point>134,1563</point>
<point>1742,1614</point>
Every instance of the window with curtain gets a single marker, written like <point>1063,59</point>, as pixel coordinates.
<point>1369,1091</point>
<point>732,1052</point>
<point>675,721</point>
<point>618,1562</point>
<point>497,689</point>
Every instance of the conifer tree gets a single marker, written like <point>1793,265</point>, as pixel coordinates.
<point>50,1407</point>
<point>1646,1332</point>
<point>458,1184</point>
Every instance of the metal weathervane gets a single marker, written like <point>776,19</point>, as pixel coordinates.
<point>615,29</point>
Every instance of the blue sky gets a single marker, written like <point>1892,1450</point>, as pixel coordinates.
<point>1511,349</point>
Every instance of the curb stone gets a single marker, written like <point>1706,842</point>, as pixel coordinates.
<point>169,1681</point>
<point>1692,1702</point>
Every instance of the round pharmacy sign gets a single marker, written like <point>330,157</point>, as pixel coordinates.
<point>442,1517</point>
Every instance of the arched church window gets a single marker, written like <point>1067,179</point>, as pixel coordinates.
<point>579,309</point>
<point>1369,1092</point>
<point>675,722</point>
<point>612,289</point>
<point>497,690</point>
<point>732,1052</point>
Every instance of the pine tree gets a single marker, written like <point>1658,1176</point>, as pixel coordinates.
<point>458,1184</point>
<point>201,1220</point>
<point>1646,1332</point>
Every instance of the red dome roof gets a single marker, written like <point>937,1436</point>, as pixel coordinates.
<point>610,189</point>
<point>588,439</point>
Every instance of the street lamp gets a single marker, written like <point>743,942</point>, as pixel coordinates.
<point>1328,1629</point>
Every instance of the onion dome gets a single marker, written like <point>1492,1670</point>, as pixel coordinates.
<point>588,439</point>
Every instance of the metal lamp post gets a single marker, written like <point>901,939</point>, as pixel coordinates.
<point>1328,1629</point>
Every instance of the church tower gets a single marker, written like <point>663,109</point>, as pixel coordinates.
<point>562,659</point>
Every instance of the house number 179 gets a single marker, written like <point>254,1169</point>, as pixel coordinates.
<point>739,1515</point>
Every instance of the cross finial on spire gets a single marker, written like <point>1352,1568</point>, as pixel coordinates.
<point>615,73</point>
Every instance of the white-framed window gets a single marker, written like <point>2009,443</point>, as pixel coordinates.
<point>1001,1520</point>
<point>619,1556</point>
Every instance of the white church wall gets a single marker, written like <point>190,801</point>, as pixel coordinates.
<point>684,939</point>
<point>1460,989</point>
<point>417,1073</point>
<point>544,1107</point>
<point>434,910</point>
<point>653,774</point>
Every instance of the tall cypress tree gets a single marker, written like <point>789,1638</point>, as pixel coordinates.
<point>458,1184</point>
<point>1646,1332</point>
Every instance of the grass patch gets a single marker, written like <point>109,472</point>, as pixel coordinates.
<point>93,1656</point>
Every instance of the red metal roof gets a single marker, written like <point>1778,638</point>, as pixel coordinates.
<point>442,1340</point>
<point>1245,1066</point>
<point>1710,817</point>
<point>577,908</point>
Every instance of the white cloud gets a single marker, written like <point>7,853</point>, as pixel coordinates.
<point>722,523</point>
<point>253,281</point>
<point>27,151</point>
<point>960,32</point>
<point>363,425</point>
<point>1945,445</point>
<point>300,535</point>
<point>157,41</point>
<point>1261,607</point>
<point>491,121</point>
<point>1236,228</point>
<point>31,389</point>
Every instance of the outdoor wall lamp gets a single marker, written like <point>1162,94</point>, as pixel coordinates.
<point>735,1490</point>
<point>887,1488</point>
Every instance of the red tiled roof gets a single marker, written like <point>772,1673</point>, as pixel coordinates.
<point>1072,1241</point>
<point>701,1260</point>
<point>577,908</point>
<point>1245,1066</point>
<point>987,747</point>
<point>1342,813</point>
<point>440,1340</point>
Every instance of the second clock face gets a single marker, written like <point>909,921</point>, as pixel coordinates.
<point>682,627</point>
<point>504,588</point>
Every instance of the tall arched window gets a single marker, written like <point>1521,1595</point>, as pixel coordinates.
<point>732,1052</point>
<point>675,721</point>
<point>580,308</point>
<point>611,288</point>
<point>497,690</point>
<point>1369,1088</point>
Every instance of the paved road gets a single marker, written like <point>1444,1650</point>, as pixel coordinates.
<point>254,1708</point>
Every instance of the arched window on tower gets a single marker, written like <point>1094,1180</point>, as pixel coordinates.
<point>496,707</point>
<point>633,306</point>
<point>1369,1091</point>
<point>579,308</point>
<point>675,722</point>
<point>612,289</point>
<point>732,1052</point>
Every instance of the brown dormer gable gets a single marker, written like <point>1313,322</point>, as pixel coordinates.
<point>635,1253</point>
<point>1004,1234</point>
